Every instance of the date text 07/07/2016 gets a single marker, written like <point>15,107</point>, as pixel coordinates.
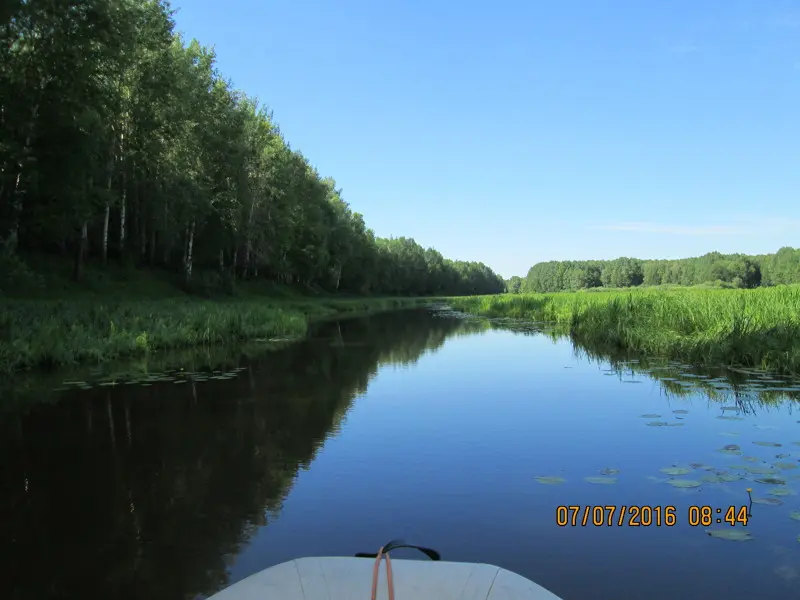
<point>620,515</point>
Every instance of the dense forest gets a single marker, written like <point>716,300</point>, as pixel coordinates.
<point>729,270</point>
<point>119,141</point>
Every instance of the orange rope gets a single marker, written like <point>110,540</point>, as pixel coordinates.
<point>376,572</point>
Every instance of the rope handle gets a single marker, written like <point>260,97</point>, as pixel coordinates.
<point>384,552</point>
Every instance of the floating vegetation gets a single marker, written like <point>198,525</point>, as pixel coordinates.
<point>727,418</point>
<point>780,491</point>
<point>768,501</point>
<point>601,480</point>
<point>771,481</point>
<point>795,514</point>
<point>711,478</point>
<point>701,466</point>
<point>730,433</point>
<point>768,444</point>
<point>680,411</point>
<point>751,458</point>
<point>675,470</point>
<point>734,535</point>
<point>657,424</point>
<point>760,470</point>
<point>786,465</point>
<point>609,471</point>
<point>550,480</point>
<point>650,416</point>
<point>684,483</point>
<point>731,449</point>
<point>729,477</point>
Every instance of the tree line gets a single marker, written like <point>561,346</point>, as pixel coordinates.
<point>119,141</point>
<point>729,270</point>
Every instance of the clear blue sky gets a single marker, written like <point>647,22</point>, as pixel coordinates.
<point>515,132</point>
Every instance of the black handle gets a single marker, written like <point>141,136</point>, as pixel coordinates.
<point>394,544</point>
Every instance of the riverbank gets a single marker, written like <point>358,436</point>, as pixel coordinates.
<point>101,320</point>
<point>758,327</point>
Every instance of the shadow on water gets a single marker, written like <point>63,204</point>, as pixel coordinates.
<point>148,490</point>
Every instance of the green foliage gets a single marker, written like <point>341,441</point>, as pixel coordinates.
<point>121,141</point>
<point>712,269</point>
<point>759,327</point>
<point>57,332</point>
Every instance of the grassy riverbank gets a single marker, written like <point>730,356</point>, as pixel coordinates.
<point>136,313</point>
<point>759,327</point>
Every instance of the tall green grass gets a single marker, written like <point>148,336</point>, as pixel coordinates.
<point>759,327</point>
<point>50,333</point>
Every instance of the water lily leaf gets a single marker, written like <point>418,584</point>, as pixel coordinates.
<point>731,449</point>
<point>730,433</point>
<point>729,477</point>
<point>730,408</point>
<point>684,483</point>
<point>765,427</point>
<point>680,411</point>
<point>609,471</point>
<point>727,418</point>
<point>786,465</point>
<point>734,535</point>
<point>657,424</point>
<point>675,424</point>
<point>701,466</point>
<point>771,481</point>
<point>601,480</point>
<point>649,416</point>
<point>675,470</point>
<point>751,458</point>
<point>768,501</point>
<point>783,455</point>
<point>795,514</point>
<point>711,478</point>
<point>769,444</point>
<point>760,470</point>
<point>550,480</point>
<point>780,491</point>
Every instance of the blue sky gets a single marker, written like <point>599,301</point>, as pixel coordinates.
<point>515,132</point>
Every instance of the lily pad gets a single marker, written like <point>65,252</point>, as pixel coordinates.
<point>649,416</point>
<point>730,433</point>
<point>609,471</point>
<point>760,470</point>
<point>727,418</point>
<point>751,458</point>
<point>771,481</point>
<point>769,444</point>
<point>768,501</point>
<point>780,491</point>
<point>675,470</point>
<point>729,477</point>
<point>731,449</point>
<point>711,478</point>
<point>550,480</point>
<point>601,480</point>
<point>786,465</point>
<point>795,514</point>
<point>680,411</point>
<point>684,483</point>
<point>734,535</point>
<point>701,466</point>
<point>657,424</point>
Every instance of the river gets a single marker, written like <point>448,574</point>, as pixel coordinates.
<point>453,433</point>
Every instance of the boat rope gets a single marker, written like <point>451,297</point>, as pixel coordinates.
<point>384,552</point>
<point>376,571</point>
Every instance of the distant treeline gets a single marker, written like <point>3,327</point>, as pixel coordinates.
<point>118,141</point>
<point>730,270</point>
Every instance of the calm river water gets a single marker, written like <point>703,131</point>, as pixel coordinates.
<point>452,433</point>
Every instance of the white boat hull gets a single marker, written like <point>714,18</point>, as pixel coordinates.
<point>345,578</point>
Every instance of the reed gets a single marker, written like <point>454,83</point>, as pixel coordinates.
<point>758,327</point>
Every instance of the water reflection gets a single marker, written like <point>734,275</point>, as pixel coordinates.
<point>147,490</point>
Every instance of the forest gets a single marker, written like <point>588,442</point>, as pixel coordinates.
<point>721,270</point>
<point>121,142</point>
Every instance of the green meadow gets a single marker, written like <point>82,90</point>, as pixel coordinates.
<point>748,327</point>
